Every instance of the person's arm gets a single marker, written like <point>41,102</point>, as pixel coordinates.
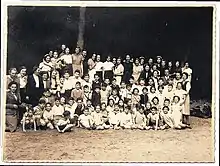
<point>34,124</point>
<point>23,124</point>
<point>57,127</point>
<point>157,122</point>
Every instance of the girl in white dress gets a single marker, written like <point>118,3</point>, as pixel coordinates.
<point>118,71</point>
<point>137,69</point>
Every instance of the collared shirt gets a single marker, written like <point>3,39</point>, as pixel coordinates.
<point>67,58</point>
<point>108,66</point>
<point>37,81</point>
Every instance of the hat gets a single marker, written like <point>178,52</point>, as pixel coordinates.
<point>158,56</point>
<point>141,57</point>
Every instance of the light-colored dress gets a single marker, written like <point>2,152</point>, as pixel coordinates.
<point>118,72</point>
<point>177,114</point>
<point>92,70</point>
<point>137,71</point>
<point>77,63</point>
<point>186,110</point>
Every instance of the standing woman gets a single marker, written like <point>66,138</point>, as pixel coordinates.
<point>46,65</point>
<point>12,105</point>
<point>137,69</point>
<point>91,66</point>
<point>146,73</point>
<point>99,67</point>
<point>77,61</point>
<point>187,70</point>
<point>186,109</point>
<point>128,69</point>
<point>118,72</point>
<point>108,68</point>
<point>67,59</point>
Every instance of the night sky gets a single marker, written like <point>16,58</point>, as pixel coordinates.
<point>174,33</point>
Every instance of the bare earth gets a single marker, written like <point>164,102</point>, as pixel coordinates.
<point>195,145</point>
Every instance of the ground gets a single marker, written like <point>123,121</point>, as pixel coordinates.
<point>190,145</point>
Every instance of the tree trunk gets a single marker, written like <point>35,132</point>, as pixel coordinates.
<point>80,42</point>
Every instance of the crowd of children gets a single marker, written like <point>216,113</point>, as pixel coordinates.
<point>116,94</point>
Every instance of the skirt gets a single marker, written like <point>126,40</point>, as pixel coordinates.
<point>186,109</point>
<point>11,122</point>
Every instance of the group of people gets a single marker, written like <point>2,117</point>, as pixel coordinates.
<point>72,90</point>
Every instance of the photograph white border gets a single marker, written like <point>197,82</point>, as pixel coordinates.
<point>215,56</point>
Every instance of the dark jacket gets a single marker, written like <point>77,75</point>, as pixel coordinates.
<point>96,99</point>
<point>11,100</point>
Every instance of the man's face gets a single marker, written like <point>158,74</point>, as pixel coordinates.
<point>23,72</point>
<point>84,53</point>
<point>178,76</point>
<point>128,57</point>
<point>13,73</point>
<point>186,65</point>
<point>77,50</point>
<point>79,102</point>
<point>163,63</point>
<point>63,47</point>
<point>118,61</point>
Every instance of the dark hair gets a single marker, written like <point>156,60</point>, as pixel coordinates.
<point>155,98</point>
<point>86,86</point>
<point>70,98</point>
<point>48,104</point>
<point>160,87</point>
<point>34,68</point>
<point>45,56</point>
<point>152,88</point>
<point>186,74</point>
<point>113,79</point>
<point>131,78</point>
<point>170,85</point>
<point>128,85</point>
<point>104,85</point>
<point>166,99</point>
<point>110,100</point>
<point>165,107</point>
<point>85,75</point>
<point>135,89</point>
<point>22,67</point>
<point>11,83</point>
<point>144,88</point>
<point>12,68</point>
<point>78,83</point>
<point>57,98</point>
<point>79,99</point>
<point>177,97</point>
<point>77,71</point>
<point>66,113</point>
<point>42,101</point>
<point>153,108</point>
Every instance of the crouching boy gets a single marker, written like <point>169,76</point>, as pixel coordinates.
<point>63,123</point>
<point>28,120</point>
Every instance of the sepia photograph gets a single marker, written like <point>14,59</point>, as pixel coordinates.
<point>109,83</point>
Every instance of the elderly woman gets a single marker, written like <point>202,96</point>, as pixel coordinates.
<point>12,105</point>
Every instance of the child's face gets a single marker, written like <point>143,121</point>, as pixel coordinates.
<point>103,106</point>
<point>86,78</point>
<point>97,90</point>
<point>86,90</point>
<point>123,85</point>
<point>166,103</point>
<point>160,82</point>
<point>160,90</point>
<point>76,74</point>
<point>129,88</point>
<point>176,99</point>
<point>96,78</point>
<point>97,109</point>
<point>170,88</point>
<point>114,92</point>
<point>66,75</point>
<point>116,109</point>
<point>86,112</point>
<point>47,94</point>
<point>131,81</point>
<point>144,91</point>
<point>44,76</point>
<point>126,111</point>
<point>153,90</point>
<point>57,102</point>
<point>121,103</point>
<point>62,100</point>
<point>77,86</point>
<point>61,80</point>
<point>129,103</point>
<point>142,82</point>
<point>107,81</point>
<point>141,111</point>
<point>150,82</point>
<point>71,102</point>
<point>154,111</point>
<point>155,74</point>
<point>89,103</point>
<point>148,105</point>
<point>48,107</point>
<point>136,92</point>
<point>155,101</point>
<point>165,110</point>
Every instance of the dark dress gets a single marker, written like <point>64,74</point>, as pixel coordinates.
<point>96,99</point>
<point>128,70</point>
<point>96,84</point>
<point>11,112</point>
<point>145,75</point>
<point>144,99</point>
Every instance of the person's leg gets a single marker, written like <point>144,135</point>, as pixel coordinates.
<point>12,122</point>
<point>68,127</point>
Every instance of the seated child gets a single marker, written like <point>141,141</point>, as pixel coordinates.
<point>28,119</point>
<point>115,96</point>
<point>48,97</point>
<point>125,119</point>
<point>47,119</point>
<point>71,107</point>
<point>104,93</point>
<point>104,114</point>
<point>96,96</point>
<point>77,92</point>
<point>97,118</point>
<point>129,92</point>
<point>87,95</point>
<point>63,123</point>
<point>38,111</point>
<point>140,119</point>
<point>135,97</point>
<point>153,119</point>
<point>86,120</point>
<point>166,119</point>
<point>123,91</point>
<point>89,106</point>
<point>57,110</point>
<point>144,97</point>
<point>111,105</point>
<point>114,118</point>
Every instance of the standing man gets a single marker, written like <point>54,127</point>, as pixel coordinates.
<point>35,87</point>
<point>128,69</point>
<point>77,61</point>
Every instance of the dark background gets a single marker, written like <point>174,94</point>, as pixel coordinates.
<point>33,31</point>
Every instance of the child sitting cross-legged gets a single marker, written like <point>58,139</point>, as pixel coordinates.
<point>166,118</point>
<point>114,118</point>
<point>153,119</point>
<point>47,119</point>
<point>28,120</point>
<point>126,119</point>
<point>140,119</point>
<point>63,123</point>
<point>86,120</point>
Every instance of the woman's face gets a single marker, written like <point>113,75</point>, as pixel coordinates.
<point>103,106</point>
<point>55,55</point>
<point>44,76</point>
<point>120,103</point>
<point>170,64</point>
<point>148,105</point>
<point>150,82</point>
<point>136,92</point>
<point>53,74</point>
<point>23,72</point>
<point>150,61</point>
<point>179,86</point>
<point>177,63</point>
<point>155,101</point>
<point>108,59</point>
<point>114,61</point>
<point>142,61</point>
<point>184,77</point>
<point>155,74</point>
<point>48,107</point>
<point>154,67</point>
<point>128,58</point>
<point>13,88</point>
<point>67,51</point>
<point>147,68</point>
<point>93,56</point>
<point>111,103</point>
<point>158,60</point>
<point>163,63</point>
<point>47,59</point>
<point>136,62</point>
<point>118,61</point>
<point>129,103</point>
